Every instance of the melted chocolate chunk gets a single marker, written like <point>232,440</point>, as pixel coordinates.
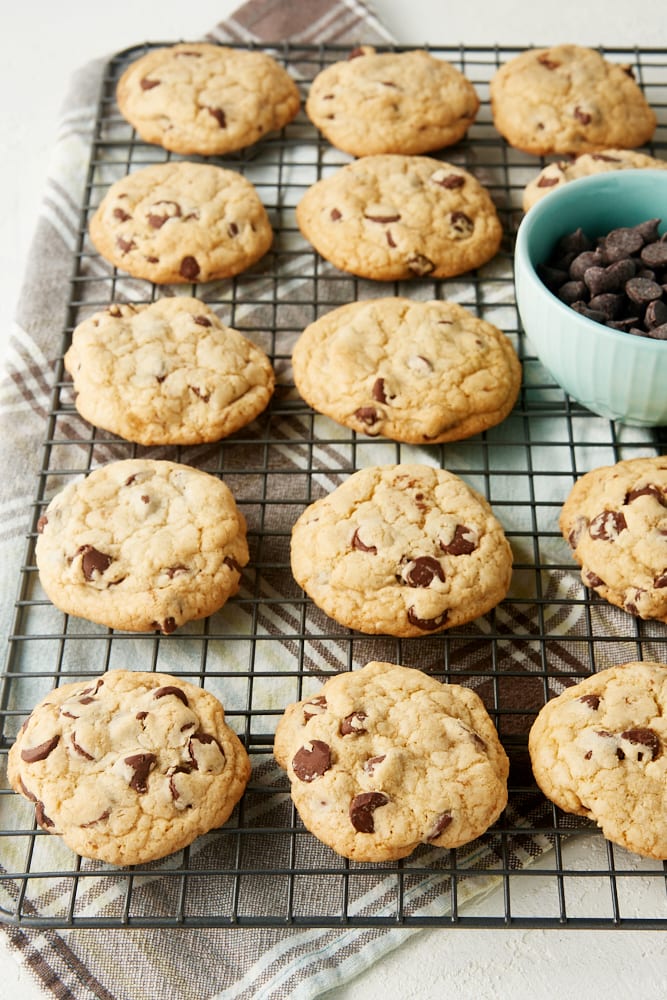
<point>362,808</point>
<point>378,391</point>
<point>440,825</point>
<point>419,264</point>
<point>643,491</point>
<point>462,543</point>
<point>141,764</point>
<point>358,544</point>
<point>79,749</point>
<point>607,525</point>
<point>592,700</point>
<point>171,689</point>
<point>189,268</point>
<point>352,725</point>
<point>219,116</point>
<point>383,219</point>
<point>202,320</point>
<point>147,84</point>
<point>316,706</point>
<point>371,763</point>
<point>367,415</point>
<point>43,820</point>
<point>450,181</point>
<point>644,737</point>
<point>312,760</point>
<point>93,562</point>
<point>32,754</point>
<point>422,571</point>
<point>426,624</point>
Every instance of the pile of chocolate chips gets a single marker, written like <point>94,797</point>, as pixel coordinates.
<point>619,279</point>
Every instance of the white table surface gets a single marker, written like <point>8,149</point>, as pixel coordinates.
<point>43,44</point>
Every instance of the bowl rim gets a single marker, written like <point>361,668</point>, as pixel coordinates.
<point>532,218</point>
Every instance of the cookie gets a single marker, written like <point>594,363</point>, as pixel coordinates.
<point>181,222</point>
<point>386,758</point>
<point>392,217</point>
<point>615,521</point>
<point>569,99</point>
<point>206,99</point>
<point>600,750</point>
<point>556,174</point>
<point>142,545</point>
<point>166,373</point>
<point>391,102</point>
<point>403,550</point>
<point>129,767</point>
<point>418,372</point>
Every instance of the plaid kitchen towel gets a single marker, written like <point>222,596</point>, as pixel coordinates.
<point>205,962</point>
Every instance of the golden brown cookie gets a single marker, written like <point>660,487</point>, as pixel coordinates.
<point>385,758</point>
<point>181,222</point>
<point>569,99</point>
<point>402,550</point>
<point>392,217</point>
<point>167,373</point>
<point>142,545</point>
<point>206,99</point>
<point>600,750</point>
<point>615,520</point>
<point>391,102</point>
<point>420,372</point>
<point>129,767</point>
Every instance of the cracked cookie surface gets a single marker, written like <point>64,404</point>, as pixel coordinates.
<point>391,102</point>
<point>403,550</point>
<point>206,99</point>
<point>129,767</point>
<point>615,521</point>
<point>556,174</point>
<point>142,545</point>
<point>392,217</point>
<point>181,222</point>
<point>385,758</point>
<point>167,373</point>
<point>418,372</point>
<point>600,750</point>
<point>569,99</point>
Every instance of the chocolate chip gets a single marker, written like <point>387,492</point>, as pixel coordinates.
<point>141,764</point>
<point>426,624</point>
<point>661,580</point>
<point>42,819</point>
<point>367,415</point>
<point>449,181</point>
<point>202,320</point>
<point>419,264</point>
<point>352,725</point>
<point>32,754</point>
<point>219,116</point>
<point>547,182</point>
<point>658,332</point>
<point>608,525</point>
<point>378,391</point>
<point>316,706</point>
<point>422,571</point>
<point>362,808</point>
<point>584,260</point>
<point>383,219</point>
<point>655,254</point>
<point>582,116</point>
<point>312,760</point>
<point>125,245</point>
<point>463,542</point>
<point>122,216</point>
<point>642,290</point>
<point>42,523</point>
<point>620,243</point>
<point>656,314</point>
<point>93,562</point>
<point>146,84</point>
<point>189,268</point>
<point>371,763</point>
<point>461,224</point>
<point>79,749</point>
<point>644,737</point>
<point>335,214</point>
<point>592,700</point>
<point>440,825</point>
<point>650,491</point>
<point>171,689</point>
<point>357,543</point>
<point>571,292</point>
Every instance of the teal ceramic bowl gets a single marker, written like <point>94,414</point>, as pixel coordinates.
<point>615,374</point>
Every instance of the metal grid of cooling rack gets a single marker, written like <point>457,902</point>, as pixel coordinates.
<point>269,645</point>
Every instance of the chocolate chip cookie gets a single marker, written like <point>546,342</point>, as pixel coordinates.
<point>129,767</point>
<point>391,102</point>
<point>206,99</point>
<point>563,171</point>
<point>142,545</point>
<point>392,217</point>
<point>419,372</point>
<point>569,99</point>
<point>167,373</point>
<point>600,750</point>
<point>403,550</point>
<point>181,222</point>
<point>615,520</point>
<point>385,758</point>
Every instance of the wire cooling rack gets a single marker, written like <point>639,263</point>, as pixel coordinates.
<point>269,645</point>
